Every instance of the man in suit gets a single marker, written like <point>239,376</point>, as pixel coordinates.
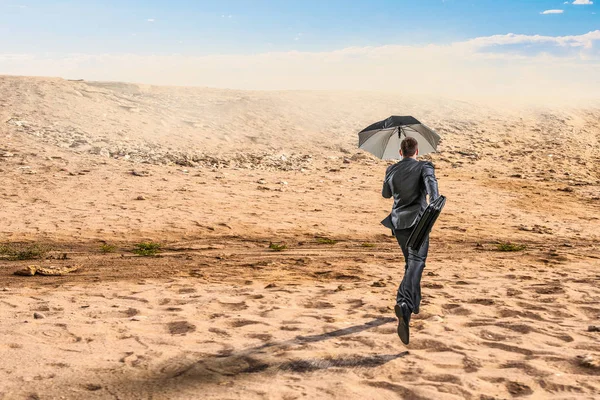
<point>408,182</point>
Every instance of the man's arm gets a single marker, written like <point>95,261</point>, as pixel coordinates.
<point>431,185</point>
<point>386,192</point>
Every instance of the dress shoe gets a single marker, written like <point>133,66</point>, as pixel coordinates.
<point>403,313</point>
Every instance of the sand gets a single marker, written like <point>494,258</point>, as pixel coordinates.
<point>88,170</point>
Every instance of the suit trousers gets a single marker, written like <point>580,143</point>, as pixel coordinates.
<point>409,291</point>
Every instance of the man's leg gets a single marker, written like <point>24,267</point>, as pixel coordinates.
<point>409,291</point>
<point>402,309</point>
<point>402,238</point>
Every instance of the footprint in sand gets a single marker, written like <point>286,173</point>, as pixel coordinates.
<point>60,332</point>
<point>326,318</point>
<point>521,328</point>
<point>511,313</point>
<point>483,302</point>
<point>487,335</point>
<point>444,378</point>
<point>187,290</point>
<point>509,348</point>
<point>517,389</point>
<point>526,368</point>
<point>180,327</point>
<point>318,304</point>
<point>456,309</point>
<point>130,312</point>
<point>429,345</point>
<point>552,387</point>
<point>234,306</point>
<point>219,332</point>
<point>401,391</point>
<point>265,337</point>
<point>238,323</point>
<point>289,328</point>
<point>356,303</point>
<point>471,365</point>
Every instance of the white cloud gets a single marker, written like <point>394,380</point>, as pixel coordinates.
<point>511,65</point>
<point>583,2</point>
<point>150,20</point>
<point>552,12</point>
<point>586,40</point>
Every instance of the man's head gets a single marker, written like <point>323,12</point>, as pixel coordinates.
<point>409,147</point>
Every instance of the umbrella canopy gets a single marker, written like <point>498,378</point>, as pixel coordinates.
<point>383,138</point>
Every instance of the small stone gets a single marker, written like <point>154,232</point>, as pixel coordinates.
<point>38,315</point>
<point>5,289</point>
<point>140,173</point>
<point>261,182</point>
<point>435,318</point>
<point>27,271</point>
<point>589,361</point>
<point>566,189</point>
<point>140,198</point>
<point>130,358</point>
<point>7,154</point>
<point>341,288</point>
<point>593,328</point>
<point>270,286</point>
<point>92,387</point>
<point>378,284</point>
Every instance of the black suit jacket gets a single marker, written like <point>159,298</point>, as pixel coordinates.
<point>408,181</point>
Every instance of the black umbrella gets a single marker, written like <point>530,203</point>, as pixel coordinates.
<point>383,138</point>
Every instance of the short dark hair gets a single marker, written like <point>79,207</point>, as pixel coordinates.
<point>409,146</point>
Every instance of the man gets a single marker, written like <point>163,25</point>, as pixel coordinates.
<point>409,181</point>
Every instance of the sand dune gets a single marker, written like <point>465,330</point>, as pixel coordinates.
<point>214,176</point>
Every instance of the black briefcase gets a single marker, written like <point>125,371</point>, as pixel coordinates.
<point>425,223</point>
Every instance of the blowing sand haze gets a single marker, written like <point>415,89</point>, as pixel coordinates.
<point>229,246</point>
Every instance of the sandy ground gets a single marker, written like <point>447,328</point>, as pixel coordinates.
<point>218,314</point>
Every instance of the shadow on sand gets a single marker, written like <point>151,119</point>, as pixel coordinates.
<point>192,370</point>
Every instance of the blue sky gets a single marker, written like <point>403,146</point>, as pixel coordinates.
<point>255,26</point>
<point>455,47</point>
